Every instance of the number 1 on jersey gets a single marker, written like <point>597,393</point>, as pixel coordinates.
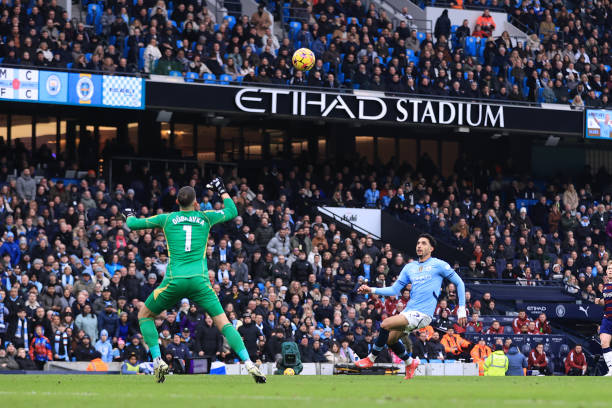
<point>187,229</point>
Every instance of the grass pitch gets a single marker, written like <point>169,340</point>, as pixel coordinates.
<point>115,391</point>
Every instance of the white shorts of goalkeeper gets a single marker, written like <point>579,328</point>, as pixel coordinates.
<point>416,320</point>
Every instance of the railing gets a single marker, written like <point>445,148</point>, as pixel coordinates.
<point>345,221</point>
<point>447,3</point>
<point>498,281</point>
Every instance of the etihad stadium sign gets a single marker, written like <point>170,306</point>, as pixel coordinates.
<point>365,107</point>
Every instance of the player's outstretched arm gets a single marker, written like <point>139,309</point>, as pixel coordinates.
<point>133,223</point>
<point>229,211</point>
<point>393,290</point>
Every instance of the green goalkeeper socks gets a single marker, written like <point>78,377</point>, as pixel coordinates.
<point>149,332</point>
<point>235,341</point>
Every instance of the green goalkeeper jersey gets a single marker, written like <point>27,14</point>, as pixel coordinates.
<point>186,235</point>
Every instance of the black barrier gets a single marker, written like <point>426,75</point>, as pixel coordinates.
<point>526,293</point>
<point>362,106</point>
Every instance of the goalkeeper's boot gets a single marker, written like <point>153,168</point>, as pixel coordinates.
<point>364,363</point>
<point>411,368</point>
<point>609,373</point>
<point>254,371</point>
<point>161,369</point>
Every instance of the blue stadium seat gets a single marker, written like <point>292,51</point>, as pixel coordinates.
<point>239,79</point>
<point>409,53</point>
<point>176,73</point>
<point>470,329</point>
<point>326,66</point>
<point>179,44</point>
<point>391,49</point>
<point>525,88</point>
<point>356,86</point>
<point>508,330</point>
<point>540,95</point>
<point>141,58</point>
<point>295,27</point>
<point>470,45</point>
<point>88,56</point>
<point>421,36</point>
<point>68,65</point>
<point>231,21</point>
<point>454,28</point>
<point>526,349</point>
<point>209,78</point>
<point>225,79</point>
<point>341,77</point>
<point>191,76</point>
<point>607,67</point>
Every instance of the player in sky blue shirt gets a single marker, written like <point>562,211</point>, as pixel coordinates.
<point>426,277</point>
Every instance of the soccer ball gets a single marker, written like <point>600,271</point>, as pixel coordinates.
<point>303,59</point>
<point>289,371</point>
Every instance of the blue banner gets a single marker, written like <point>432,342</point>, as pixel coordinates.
<point>121,91</point>
<point>586,311</point>
<point>53,87</point>
<point>85,90</point>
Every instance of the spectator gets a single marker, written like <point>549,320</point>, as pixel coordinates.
<point>85,351</point>
<point>486,22</point>
<point>26,186</point>
<point>131,366</point>
<point>7,362</point>
<point>88,322</point>
<point>443,26</point>
<point>40,348</point>
<point>104,347</point>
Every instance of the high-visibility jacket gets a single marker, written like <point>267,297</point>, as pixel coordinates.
<point>454,343</point>
<point>97,365</point>
<point>496,364</point>
<point>479,354</point>
<point>428,330</point>
<point>458,4</point>
<point>128,368</point>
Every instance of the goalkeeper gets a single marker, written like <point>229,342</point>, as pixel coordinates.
<point>186,233</point>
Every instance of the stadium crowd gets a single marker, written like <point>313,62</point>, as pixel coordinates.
<point>566,58</point>
<point>72,275</point>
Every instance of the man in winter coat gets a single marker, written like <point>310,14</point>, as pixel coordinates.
<point>11,248</point>
<point>209,339</point>
<point>264,233</point>
<point>250,334</point>
<point>443,26</point>
<point>280,243</point>
<point>26,186</point>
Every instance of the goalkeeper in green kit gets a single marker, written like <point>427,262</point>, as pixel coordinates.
<point>186,234</point>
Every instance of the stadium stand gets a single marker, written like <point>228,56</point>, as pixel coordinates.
<point>565,60</point>
<point>282,271</point>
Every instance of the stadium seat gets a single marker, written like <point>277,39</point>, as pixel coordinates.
<point>564,350</point>
<point>225,79</point>
<point>526,349</point>
<point>295,28</point>
<point>470,329</point>
<point>508,330</point>
<point>231,21</point>
<point>421,36</point>
<point>176,73</point>
<point>209,78</point>
<point>356,86</point>
<point>191,76</point>
<point>470,45</point>
<point>88,56</point>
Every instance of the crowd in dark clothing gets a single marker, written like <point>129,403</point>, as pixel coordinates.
<point>565,60</point>
<point>73,277</point>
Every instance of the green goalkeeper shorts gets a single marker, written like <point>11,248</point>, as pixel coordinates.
<point>197,289</point>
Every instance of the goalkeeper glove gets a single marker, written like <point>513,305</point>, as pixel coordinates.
<point>128,212</point>
<point>217,186</point>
